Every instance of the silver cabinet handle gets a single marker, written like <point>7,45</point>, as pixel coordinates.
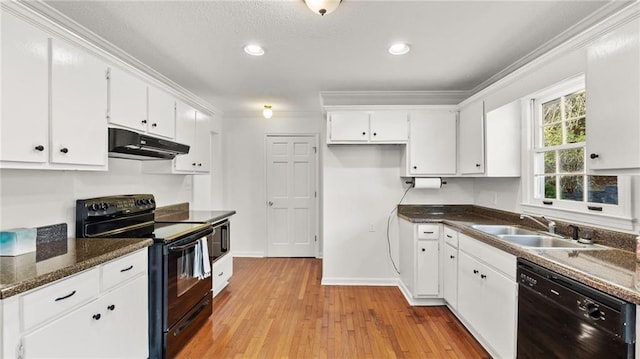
<point>270,203</point>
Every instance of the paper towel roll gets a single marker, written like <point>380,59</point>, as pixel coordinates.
<point>427,183</point>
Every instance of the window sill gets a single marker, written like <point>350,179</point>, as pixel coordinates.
<point>619,223</point>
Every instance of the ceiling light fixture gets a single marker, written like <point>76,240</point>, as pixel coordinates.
<point>399,49</point>
<point>322,7</point>
<point>267,112</point>
<point>254,50</point>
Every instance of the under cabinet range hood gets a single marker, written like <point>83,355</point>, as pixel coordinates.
<point>132,145</point>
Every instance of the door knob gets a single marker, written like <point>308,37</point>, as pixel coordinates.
<point>270,203</point>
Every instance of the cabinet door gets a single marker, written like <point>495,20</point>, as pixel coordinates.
<point>427,265</point>
<point>502,149</point>
<point>114,326</point>
<point>450,274</point>
<point>389,126</point>
<point>470,304</point>
<point>472,139</point>
<point>185,133</point>
<point>499,325</point>
<point>432,146</point>
<point>162,113</point>
<point>613,106</point>
<point>202,150</point>
<point>348,127</point>
<point>127,100</point>
<point>24,129</point>
<point>78,106</point>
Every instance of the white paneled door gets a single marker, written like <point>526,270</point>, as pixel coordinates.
<point>291,196</point>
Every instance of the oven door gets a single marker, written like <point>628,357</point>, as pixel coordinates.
<point>185,288</point>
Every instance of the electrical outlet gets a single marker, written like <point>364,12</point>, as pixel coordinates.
<point>372,228</point>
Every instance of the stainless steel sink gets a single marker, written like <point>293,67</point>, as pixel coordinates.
<point>498,230</point>
<point>538,241</point>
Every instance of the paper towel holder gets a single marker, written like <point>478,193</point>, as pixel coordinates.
<point>434,185</point>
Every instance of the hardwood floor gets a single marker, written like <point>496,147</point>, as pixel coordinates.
<point>276,308</point>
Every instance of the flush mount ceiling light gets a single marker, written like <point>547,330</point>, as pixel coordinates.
<point>322,7</point>
<point>254,50</point>
<point>267,112</point>
<point>399,49</point>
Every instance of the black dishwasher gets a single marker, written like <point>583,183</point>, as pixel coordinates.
<point>559,317</point>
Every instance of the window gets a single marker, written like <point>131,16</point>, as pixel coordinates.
<point>560,177</point>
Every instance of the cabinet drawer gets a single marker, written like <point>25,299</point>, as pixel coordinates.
<point>451,237</point>
<point>428,231</point>
<point>494,257</point>
<point>222,270</point>
<point>123,269</point>
<point>54,299</point>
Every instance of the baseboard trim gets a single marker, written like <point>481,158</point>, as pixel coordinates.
<point>248,254</point>
<point>384,282</point>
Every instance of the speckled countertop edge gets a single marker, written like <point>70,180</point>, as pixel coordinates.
<point>463,225</point>
<point>28,284</point>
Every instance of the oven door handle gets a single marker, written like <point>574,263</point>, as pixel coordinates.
<point>183,247</point>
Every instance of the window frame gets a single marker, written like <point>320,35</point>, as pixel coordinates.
<point>612,216</point>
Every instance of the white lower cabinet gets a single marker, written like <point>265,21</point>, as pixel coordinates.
<point>487,296</point>
<point>109,327</point>
<point>427,268</point>
<point>221,272</point>
<point>419,257</point>
<point>88,315</point>
<point>450,274</point>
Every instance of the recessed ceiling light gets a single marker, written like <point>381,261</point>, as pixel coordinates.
<point>254,50</point>
<point>399,49</point>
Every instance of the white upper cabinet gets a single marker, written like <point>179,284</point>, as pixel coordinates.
<point>389,126</point>
<point>127,100</point>
<point>489,142</point>
<point>162,113</point>
<point>193,129</point>
<point>24,131</point>
<point>472,139</point>
<point>202,143</point>
<point>78,106</point>
<point>350,126</point>
<point>503,141</point>
<point>432,144</point>
<point>381,127</point>
<point>54,102</point>
<point>185,133</point>
<point>613,100</point>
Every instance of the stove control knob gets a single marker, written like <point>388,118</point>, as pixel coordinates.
<point>104,206</point>
<point>94,207</point>
<point>593,311</point>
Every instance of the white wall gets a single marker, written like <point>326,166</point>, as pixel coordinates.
<point>33,198</point>
<point>245,172</point>
<point>362,185</point>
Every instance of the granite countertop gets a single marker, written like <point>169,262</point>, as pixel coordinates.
<point>57,259</point>
<point>611,270</point>
<point>180,212</point>
<point>210,216</point>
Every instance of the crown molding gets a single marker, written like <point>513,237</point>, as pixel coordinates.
<point>51,20</point>
<point>395,98</point>
<point>607,18</point>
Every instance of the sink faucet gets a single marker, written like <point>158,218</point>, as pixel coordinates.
<point>551,225</point>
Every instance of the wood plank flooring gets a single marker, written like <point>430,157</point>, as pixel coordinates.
<point>276,308</point>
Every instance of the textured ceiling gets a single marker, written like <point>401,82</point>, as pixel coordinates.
<point>456,45</point>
